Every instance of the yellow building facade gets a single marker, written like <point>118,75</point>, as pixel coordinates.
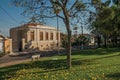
<point>30,37</point>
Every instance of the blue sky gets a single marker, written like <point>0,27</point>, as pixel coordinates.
<point>10,16</point>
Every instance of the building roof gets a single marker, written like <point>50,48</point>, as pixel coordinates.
<point>35,25</point>
<point>3,36</point>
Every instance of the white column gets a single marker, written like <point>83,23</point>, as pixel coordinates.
<point>28,36</point>
<point>10,43</point>
<point>23,44</point>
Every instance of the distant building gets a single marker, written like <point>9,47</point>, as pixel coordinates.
<point>89,37</point>
<point>34,36</point>
<point>2,37</point>
<point>5,44</point>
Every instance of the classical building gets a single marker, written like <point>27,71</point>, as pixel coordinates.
<point>34,36</point>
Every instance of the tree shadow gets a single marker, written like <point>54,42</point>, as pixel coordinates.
<point>7,70</point>
<point>53,65</point>
<point>46,66</point>
<point>76,62</point>
<point>114,75</point>
<point>96,51</point>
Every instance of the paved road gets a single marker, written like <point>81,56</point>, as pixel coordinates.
<point>20,57</point>
<point>12,59</point>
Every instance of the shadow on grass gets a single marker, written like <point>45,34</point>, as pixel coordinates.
<point>78,62</point>
<point>47,66</point>
<point>54,65</point>
<point>114,75</point>
<point>101,51</point>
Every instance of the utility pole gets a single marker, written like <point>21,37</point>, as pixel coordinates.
<point>36,36</point>
<point>58,34</point>
<point>82,37</point>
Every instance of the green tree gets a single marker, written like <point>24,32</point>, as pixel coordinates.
<point>102,25</point>
<point>105,18</point>
<point>64,40</point>
<point>97,4</point>
<point>116,2</point>
<point>116,21</point>
<point>107,21</point>
<point>82,40</point>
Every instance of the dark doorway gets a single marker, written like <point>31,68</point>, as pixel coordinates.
<point>20,36</point>
<point>20,45</point>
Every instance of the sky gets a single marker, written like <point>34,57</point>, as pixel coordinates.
<point>10,16</point>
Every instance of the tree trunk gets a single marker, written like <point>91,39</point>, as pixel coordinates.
<point>105,42</point>
<point>98,40</point>
<point>69,51</point>
<point>68,46</point>
<point>119,40</point>
<point>67,24</point>
<point>116,40</point>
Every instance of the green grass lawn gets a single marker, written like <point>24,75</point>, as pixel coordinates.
<point>93,64</point>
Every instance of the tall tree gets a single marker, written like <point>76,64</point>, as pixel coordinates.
<point>105,19</point>
<point>104,15</point>
<point>64,9</point>
<point>97,4</point>
<point>116,21</point>
<point>116,2</point>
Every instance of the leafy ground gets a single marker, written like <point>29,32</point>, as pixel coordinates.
<point>93,64</point>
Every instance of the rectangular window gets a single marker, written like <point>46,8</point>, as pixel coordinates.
<point>57,36</point>
<point>46,36</point>
<point>41,35</point>
<point>32,36</point>
<point>51,36</point>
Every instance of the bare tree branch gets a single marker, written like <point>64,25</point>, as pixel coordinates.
<point>73,5</point>
<point>65,2</point>
<point>60,17</point>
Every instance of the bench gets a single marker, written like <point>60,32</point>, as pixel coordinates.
<point>37,56</point>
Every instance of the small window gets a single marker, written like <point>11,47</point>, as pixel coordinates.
<point>41,35</point>
<point>51,36</point>
<point>32,36</point>
<point>46,36</point>
<point>57,37</point>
